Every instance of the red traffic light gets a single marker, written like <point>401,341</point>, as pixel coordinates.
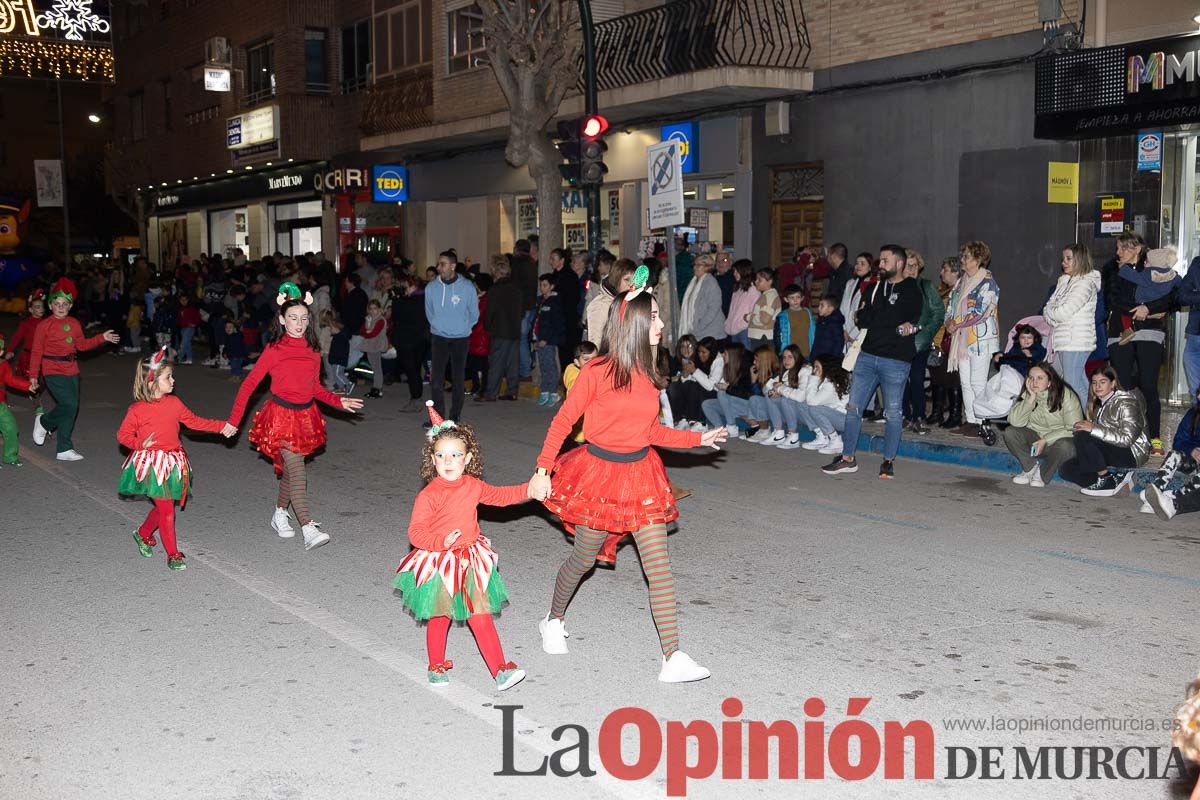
<point>593,126</point>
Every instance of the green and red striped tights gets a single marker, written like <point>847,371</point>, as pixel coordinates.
<point>293,486</point>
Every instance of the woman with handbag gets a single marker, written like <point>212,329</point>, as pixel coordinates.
<point>947,394</point>
<point>973,321</point>
<point>933,312</point>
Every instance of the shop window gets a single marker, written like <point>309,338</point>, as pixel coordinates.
<point>356,55</point>
<point>465,45</point>
<point>260,72</point>
<point>316,75</point>
<point>691,191</point>
<point>403,36</point>
<point>137,122</point>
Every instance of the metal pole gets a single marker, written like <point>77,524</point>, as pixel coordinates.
<point>673,298</point>
<point>62,156</point>
<point>590,103</point>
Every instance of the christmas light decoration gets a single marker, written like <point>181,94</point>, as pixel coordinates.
<point>74,18</point>
<point>45,58</point>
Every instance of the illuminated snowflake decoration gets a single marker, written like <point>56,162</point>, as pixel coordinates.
<point>73,18</point>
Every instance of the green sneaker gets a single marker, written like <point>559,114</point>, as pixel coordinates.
<point>437,673</point>
<point>144,547</point>
<point>175,562</point>
<point>17,463</point>
<point>509,676</point>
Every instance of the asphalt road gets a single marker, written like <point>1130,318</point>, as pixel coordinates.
<point>264,671</point>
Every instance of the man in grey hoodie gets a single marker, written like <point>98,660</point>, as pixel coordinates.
<point>452,307</point>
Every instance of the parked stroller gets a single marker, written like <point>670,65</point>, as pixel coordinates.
<point>1004,387</point>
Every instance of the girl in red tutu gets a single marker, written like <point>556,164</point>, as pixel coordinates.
<point>289,427</point>
<point>452,572</point>
<point>616,484</point>
<point>157,467</point>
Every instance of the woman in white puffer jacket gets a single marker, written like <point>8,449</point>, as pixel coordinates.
<point>1071,312</point>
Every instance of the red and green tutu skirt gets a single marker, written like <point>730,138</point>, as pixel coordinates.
<point>279,427</point>
<point>452,583</point>
<point>612,496</point>
<point>158,474</point>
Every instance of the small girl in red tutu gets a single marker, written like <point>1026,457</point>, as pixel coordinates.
<point>452,572</point>
<point>157,467</point>
<point>289,427</point>
<point>616,484</point>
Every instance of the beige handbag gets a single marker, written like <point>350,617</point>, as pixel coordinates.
<point>851,356</point>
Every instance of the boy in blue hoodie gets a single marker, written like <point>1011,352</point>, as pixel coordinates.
<point>828,335</point>
<point>549,330</point>
<point>452,308</point>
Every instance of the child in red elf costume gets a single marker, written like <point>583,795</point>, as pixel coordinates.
<point>8,424</point>
<point>289,427</point>
<point>452,572</point>
<point>21,345</point>
<point>57,341</point>
<point>157,466</point>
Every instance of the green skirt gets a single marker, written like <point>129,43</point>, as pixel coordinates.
<point>158,474</point>
<point>472,572</point>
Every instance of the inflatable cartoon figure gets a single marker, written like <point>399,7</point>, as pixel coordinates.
<point>14,267</point>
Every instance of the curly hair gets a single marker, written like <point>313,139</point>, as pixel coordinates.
<point>463,433</point>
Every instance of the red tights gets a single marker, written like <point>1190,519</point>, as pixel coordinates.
<point>162,517</point>
<point>485,637</point>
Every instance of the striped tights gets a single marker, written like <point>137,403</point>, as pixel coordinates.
<point>293,486</point>
<point>656,563</point>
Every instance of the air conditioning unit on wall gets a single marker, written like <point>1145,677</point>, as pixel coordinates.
<point>217,51</point>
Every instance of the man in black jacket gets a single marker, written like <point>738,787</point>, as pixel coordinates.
<point>889,315</point>
<point>502,321</point>
<point>410,335</point>
<point>525,276</point>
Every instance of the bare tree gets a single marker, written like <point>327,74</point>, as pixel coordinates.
<point>533,47</point>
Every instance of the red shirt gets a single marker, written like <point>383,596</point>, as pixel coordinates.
<point>7,378</point>
<point>444,506</point>
<point>59,337</point>
<point>162,418</point>
<point>23,340</point>
<point>295,370</point>
<point>620,421</point>
<point>189,317</point>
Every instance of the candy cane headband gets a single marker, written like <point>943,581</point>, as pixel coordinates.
<point>290,291</point>
<point>637,285</point>
<point>154,364</point>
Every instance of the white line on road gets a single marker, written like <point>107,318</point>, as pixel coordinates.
<point>530,732</point>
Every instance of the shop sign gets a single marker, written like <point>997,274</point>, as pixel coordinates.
<point>216,79</point>
<point>527,217</point>
<point>665,179</point>
<point>1062,182</point>
<point>389,183</point>
<point>575,236</point>
<point>572,199</point>
<point>687,136</point>
<point>347,179</point>
<point>252,127</point>
<point>614,210</point>
<point>697,217</point>
<point>285,183</point>
<point>1149,151</point>
<point>1113,214</point>
<point>293,179</point>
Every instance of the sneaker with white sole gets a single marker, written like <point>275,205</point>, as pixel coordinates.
<point>69,455</point>
<point>790,443</point>
<point>554,636</point>
<point>680,668</point>
<point>840,465</point>
<point>731,431</point>
<point>699,427</point>
<point>834,448</point>
<point>508,676</point>
<point>1022,478</point>
<point>761,436</point>
<point>1035,477</point>
<point>282,523</point>
<point>682,425</point>
<point>39,433</point>
<point>313,535</point>
<point>1161,502</point>
<point>1146,508</point>
<point>778,438</point>
<point>822,440</point>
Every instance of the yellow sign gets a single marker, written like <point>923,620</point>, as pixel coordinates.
<point>1062,182</point>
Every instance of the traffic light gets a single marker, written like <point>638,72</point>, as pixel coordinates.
<point>570,148</point>
<point>591,162</point>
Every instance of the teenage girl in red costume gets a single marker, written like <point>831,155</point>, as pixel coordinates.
<point>21,345</point>
<point>616,483</point>
<point>452,573</point>
<point>289,427</point>
<point>157,467</point>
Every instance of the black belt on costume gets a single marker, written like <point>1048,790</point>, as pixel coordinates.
<point>294,406</point>
<point>620,458</point>
<point>59,358</point>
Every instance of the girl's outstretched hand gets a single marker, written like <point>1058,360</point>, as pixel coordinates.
<point>714,437</point>
<point>112,337</point>
<point>539,487</point>
<point>352,403</point>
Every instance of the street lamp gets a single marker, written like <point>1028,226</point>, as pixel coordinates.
<point>94,119</point>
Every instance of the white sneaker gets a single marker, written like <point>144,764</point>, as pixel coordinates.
<point>1035,477</point>
<point>282,523</point>
<point>731,431</point>
<point>313,537</point>
<point>761,437</point>
<point>1146,507</point>
<point>39,433</point>
<point>699,427</point>
<point>1161,502</point>
<point>69,455</point>
<point>1022,478</point>
<point>816,444</point>
<point>834,448</point>
<point>680,668</point>
<point>779,438</point>
<point>790,443</point>
<point>554,636</point>
<point>682,425</point>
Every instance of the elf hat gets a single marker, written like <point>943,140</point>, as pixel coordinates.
<point>154,364</point>
<point>437,424</point>
<point>637,285</point>
<point>290,291</point>
<point>63,287</point>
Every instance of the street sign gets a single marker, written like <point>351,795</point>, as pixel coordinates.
<point>665,176</point>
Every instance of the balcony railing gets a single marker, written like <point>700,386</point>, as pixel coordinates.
<point>398,104</point>
<point>690,35</point>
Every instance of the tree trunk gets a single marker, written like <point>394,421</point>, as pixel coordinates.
<point>543,168</point>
